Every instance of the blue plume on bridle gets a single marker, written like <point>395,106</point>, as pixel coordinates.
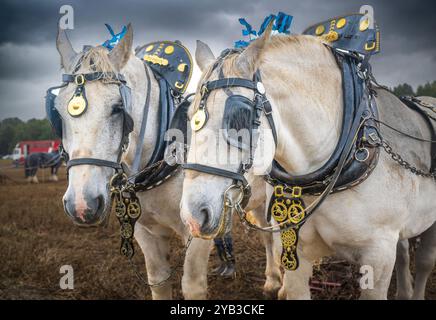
<point>111,43</point>
<point>281,25</point>
<point>249,29</point>
<point>283,22</point>
<point>265,23</point>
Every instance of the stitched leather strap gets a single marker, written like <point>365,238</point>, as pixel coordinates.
<point>268,113</point>
<point>216,171</point>
<point>93,76</point>
<point>138,151</point>
<point>93,162</point>
<point>228,83</point>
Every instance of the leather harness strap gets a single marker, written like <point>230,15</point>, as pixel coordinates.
<point>93,162</point>
<point>228,83</point>
<point>94,76</point>
<point>217,172</point>
<point>138,151</point>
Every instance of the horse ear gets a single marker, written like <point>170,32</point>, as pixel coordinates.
<point>247,62</point>
<point>203,55</point>
<point>122,51</point>
<point>65,49</point>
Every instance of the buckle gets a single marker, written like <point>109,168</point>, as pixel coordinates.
<point>79,80</point>
<point>203,90</point>
<point>296,192</point>
<point>278,191</point>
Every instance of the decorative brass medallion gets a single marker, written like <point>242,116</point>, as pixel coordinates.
<point>127,210</point>
<point>320,30</point>
<point>290,214</point>
<point>199,119</point>
<point>169,49</point>
<point>181,67</point>
<point>364,24</point>
<point>77,105</point>
<point>341,23</point>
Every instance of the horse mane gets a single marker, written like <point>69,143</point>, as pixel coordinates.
<point>96,59</point>
<point>296,47</point>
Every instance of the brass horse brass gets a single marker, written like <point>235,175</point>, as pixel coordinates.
<point>77,105</point>
<point>198,120</point>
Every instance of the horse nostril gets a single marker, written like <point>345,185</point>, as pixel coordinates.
<point>204,216</point>
<point>95,208</point>
<point>100,202</point>
<point>88,213</point>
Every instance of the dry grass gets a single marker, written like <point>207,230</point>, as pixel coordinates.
<point>36,239</point>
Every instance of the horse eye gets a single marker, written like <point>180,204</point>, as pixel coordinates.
<point>117,108</point>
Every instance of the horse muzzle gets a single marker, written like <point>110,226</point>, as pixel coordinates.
<point>91,212</point>
<point>201,223</point>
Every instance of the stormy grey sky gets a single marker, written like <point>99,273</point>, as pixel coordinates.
<point>29,62</point>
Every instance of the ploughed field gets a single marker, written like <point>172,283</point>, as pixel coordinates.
<point>36,239</point>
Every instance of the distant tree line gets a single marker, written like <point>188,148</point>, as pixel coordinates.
<point>405,89</point>
<point>13,130</point>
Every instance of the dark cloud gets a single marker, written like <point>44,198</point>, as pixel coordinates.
<point>29,60</point>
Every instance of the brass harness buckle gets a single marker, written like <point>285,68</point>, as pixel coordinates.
<point>79,80</point>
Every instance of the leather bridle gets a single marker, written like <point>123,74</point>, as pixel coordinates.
<point>260,105</point>
<point>127,121</point>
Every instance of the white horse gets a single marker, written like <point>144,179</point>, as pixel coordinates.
<point>97,134</point>
<point>304,86</point>
<point>425,257</point>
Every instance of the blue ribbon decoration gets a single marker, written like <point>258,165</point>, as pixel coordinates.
<point>241,44</point>
<point>266,23</point>
<point>249,29</point>
<point>111,43</point>
<point>282,24</point>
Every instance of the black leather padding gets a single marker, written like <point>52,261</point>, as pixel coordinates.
<point>237,117</point>
<point>53,115</point>
<point>126,97</point>
<point>352,91</point>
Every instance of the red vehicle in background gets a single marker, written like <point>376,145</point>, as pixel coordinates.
<point>25,148</point>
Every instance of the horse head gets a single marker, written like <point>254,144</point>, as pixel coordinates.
<point>94,106</point>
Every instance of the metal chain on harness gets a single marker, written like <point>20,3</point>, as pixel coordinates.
<point>407,165</point>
